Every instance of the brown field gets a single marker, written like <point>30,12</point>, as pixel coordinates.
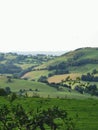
<point>59,78</point>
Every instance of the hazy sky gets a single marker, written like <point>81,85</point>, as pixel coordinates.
<point>48,25</point>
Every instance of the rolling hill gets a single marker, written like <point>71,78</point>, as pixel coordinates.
<point>78,55</point>
<point>79,61</point>
<point>51,75</point>
<point>39,89</point>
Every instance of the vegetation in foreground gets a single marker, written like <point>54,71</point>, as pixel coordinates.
<point>47,114</point>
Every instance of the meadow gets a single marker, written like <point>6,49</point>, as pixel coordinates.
<point>39,89</point>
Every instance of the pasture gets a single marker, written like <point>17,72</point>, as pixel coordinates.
<point>34,88</point>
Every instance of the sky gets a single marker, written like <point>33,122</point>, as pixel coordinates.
<point>48,25</point>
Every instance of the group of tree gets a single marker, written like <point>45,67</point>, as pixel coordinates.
<point>63,67</point>
<point>26,58</point>
<point>5,91</point>
<point>9,68</point>
<point>58,72</point>
<point>89,77</point>
<point>43,79</point>
<point>91,89</point>
<point>72,62</point>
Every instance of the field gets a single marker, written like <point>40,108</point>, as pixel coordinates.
<point>83,112</point>
<point>59,78</point>
<point>36,74</point>
<point>34,88</point>
<point>41,82</point>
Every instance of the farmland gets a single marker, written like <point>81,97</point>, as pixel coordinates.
<point>59,78</point>
<point>39,89</point>
<point>46,82</point>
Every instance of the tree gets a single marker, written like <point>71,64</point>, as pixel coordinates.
<point>79,89</point>
<point>9,79</point>
<point>43,79</point>
<point>8,90</point>
<point>67,78</point>
<point>3,92</point>
<point>94,71</point>
<point>15,117</point>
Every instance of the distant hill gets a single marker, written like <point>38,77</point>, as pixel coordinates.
<point>60,74</point>
<point>79,61</point>
<point>13,63</point>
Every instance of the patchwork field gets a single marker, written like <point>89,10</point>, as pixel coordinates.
<point>34,88</point>
<point>39,82</point>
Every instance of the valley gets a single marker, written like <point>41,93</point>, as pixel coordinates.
<point>66,84</point>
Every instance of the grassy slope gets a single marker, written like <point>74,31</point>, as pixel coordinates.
<point>43,89</point>
<point>18,84</point>
<point>54,61</point>
<point>88,53</point>
<point>36,74</point>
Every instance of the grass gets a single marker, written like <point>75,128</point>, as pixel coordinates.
<point>24,65</point>
<point>88,53</point>
<point>43,90</point>
<point>83,69</point>
<point>36,74</point>
<point>84,112</point>
<point>18,84</point>
<point>54,61</point>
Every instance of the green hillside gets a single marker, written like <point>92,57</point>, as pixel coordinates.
<point>72,74</point>
<point>82,60</point>
<point>38,89</point>
<point>18,64</point>
<point>76,56</point>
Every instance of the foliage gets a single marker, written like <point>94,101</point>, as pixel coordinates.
<point>20,74</point>
<point>43,79</point>
<point>81,114</point>
<point>3,92</point>
<point>9,68</point>
<point>89,77</point>
<point>16,117</point>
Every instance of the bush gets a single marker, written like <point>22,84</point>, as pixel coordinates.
<point>3,92</point>
<point>15,117</point>
<point>43,79</point>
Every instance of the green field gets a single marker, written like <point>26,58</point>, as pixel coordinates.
<point>83,112</point>
<point>73,94</point>
<point>36,74</point>
<point>43,90</point>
